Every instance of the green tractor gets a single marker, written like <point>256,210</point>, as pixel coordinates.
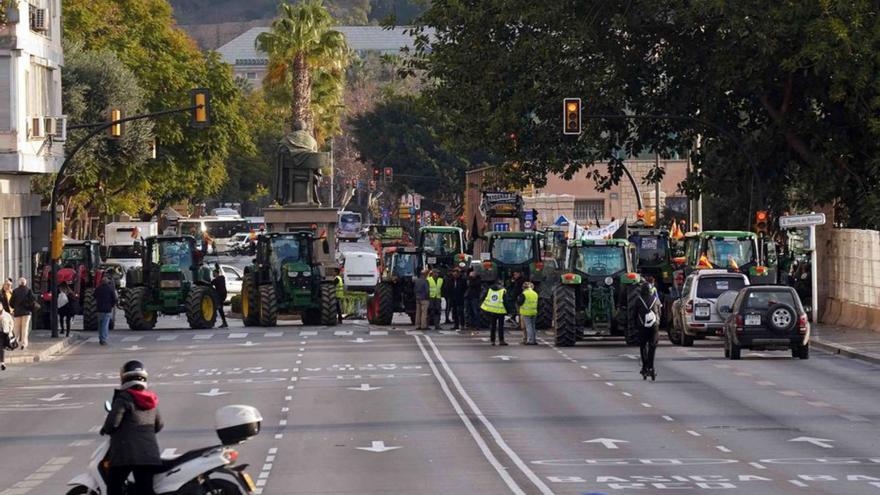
<point>596,289</point>
<point>442,248</point>
<point>286,278</point>
<point>654,257</point>
<point>511,252</point>
<point>395,292</point>
<point>172,280</point>
<point>741,251</point>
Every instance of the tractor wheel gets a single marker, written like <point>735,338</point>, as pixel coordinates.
<point>544,320</point>
<point>250,301</point>
<point>201,307</point>
<point>136,315</point>
<point>328,305</point>
<point>90,310</point>
<point>564,316</point>
<point>268,306</point>
<point>384,304</point>
<point>625,318</point>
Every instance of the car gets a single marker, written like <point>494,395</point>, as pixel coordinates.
<point>767,317</point>
<point>233,281</point>
<point>705,302</point>
<point>237,242</point>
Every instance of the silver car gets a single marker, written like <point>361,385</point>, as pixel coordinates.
<point>706,302</point>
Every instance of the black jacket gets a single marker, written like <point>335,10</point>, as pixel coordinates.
<point>22,301</point>
<point>132,424</point>
<point>219,284</point>
<point>105,297</point>
<point>457,289</point>
<point>474,288</point>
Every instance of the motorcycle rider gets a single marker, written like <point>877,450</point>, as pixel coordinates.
<point>132,424</point>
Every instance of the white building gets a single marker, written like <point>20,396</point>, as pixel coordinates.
<point>32,128</point>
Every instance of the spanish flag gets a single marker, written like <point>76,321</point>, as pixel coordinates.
<point>731,263</point>
<point>704,262</point>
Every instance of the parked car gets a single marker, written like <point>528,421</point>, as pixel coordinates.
<point>360,270</point>
<point>767,317</point>
<point>233,281</point>
<point>706,301</point>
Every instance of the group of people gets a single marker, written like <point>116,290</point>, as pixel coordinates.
<point>16,307</point>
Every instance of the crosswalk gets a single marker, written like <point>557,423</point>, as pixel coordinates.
<point>183,335</point>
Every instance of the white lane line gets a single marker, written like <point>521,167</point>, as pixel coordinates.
<point>484,448</point>
<point>283,422</point>
<point>584,366</point>
<point>667,418</point>
<point>343,333</point>
<point>273,334</point>
<point>757,465</point>
<point>419,332</point>
<point>375,333</point>
<point>285,409</point>
<point>132,339</point>
<point>80,443</point>
<point>609,384</point>
<point>797,483</point>
<point>202,336</point>
<point>597,375</point>
<point>167,338</point>
<point>535,479</point>
<point>791,393</point>
<point>742,373</point>
<point>766,383</point>
<point>693,433</point>
<point>855,418</point>
<point>722,448</point>
<point>303,333</point>
<point>645,404</point>
<point>301,349</point>
<point>819,403</point>
<point>288,398</point>
<point>279,436</point>
<point>627,394</point>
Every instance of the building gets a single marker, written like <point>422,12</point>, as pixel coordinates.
<point>251,64</point>
<point>32,126</point>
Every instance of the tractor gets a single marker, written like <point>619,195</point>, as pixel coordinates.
<point>595,291</point>
<point>286,278</point>
<point>395,292</point>
<point>442,248</point>
<point>172,280</point>
<point>79,267</point>
<point>654,257</point>
<point>733,250</point>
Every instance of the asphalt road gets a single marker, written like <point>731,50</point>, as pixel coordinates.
<point>360,409</point>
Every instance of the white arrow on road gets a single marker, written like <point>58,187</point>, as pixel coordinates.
<point>133,348</point>
<point>378,446</point>
<point>360,340</point>
<point>214,392</point>
<point>608,443</point>
<point>818,442</point>
<point>54,398</point>
<point>504,358</point>
<point>248,344</point>
<point>365,387</point>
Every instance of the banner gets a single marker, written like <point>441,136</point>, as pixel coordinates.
<point>606,232</point>
<point>501,204</point>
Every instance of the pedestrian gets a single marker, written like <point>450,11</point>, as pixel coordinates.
<point>495,309</point>
<point>457,288</point>
<point>340,293</point>
<point>23,305</point>
<point>446,293</point>
<point>132,424</point>
<point>647,321</point>
<point>219,284</point>
<point>65,305</point>
<point>528,310</point>
<point>473,299</point>
<point>422,290</point>
<point>516,288</point>
<point>105,297</point>
<point>6,295</point>
<point>7,335</point>
<point>435,289</point>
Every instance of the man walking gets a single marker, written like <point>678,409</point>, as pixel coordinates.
<point>457,288</point>
<point>435,290</point>
<point>219,284</point>
<point>422,291</point>
<point>472,300</point>
<point>494,308</point>
<point>23,304</point>
<point>105,297</point>
<point>528,310</point>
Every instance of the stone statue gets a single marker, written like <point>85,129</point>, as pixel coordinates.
<point>298,168</point>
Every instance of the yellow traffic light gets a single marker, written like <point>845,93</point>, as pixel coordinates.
<point>571,116</point>
<point>201,107</point>
<point>57,241</point>
<point>115,129</point>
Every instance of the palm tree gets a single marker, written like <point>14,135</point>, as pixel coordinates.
<point>301,43</point>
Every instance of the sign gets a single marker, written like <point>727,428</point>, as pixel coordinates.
<point>501,204</point>
<point>529,220</point>
<point>600,233</point>
<point>501,227</point>
<point>794,221</point>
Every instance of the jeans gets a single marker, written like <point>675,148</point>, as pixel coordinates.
<point>434,312</point>
<point>473,311</point>
<point>103,326</point>
<point>496,324</point>
<point>529,323</point>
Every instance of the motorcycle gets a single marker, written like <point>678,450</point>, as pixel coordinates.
<point>205,471</point>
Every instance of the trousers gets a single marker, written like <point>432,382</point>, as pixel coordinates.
<point>21,329</point>
<point>422,314</point>
<point>496,325</point>
<point>143,480</point>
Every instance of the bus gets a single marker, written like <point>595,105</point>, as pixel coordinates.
<point>220,230</point>
<point>349,226</point>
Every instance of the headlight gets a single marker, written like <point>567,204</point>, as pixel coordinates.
<point>292,274</point>
<point>609,281</point>
<point>169,284</point>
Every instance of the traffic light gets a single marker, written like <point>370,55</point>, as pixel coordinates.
<point>571,116</point>
<point>761,218</point>
<point>57,241</point>
<point>200,101</point>
<point>376,174</point>
<point>115,129</point>
<point>389,174</point>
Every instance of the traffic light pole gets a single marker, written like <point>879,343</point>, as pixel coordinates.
<point>96,128</point>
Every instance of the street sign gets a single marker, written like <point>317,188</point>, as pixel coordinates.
<point>501,227</point>
<point>794,221</point>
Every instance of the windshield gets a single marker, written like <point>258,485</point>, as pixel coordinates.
<point>761,300</point>
<point>350,223</point>
<point>651,249</point>
<point>286,250</point>
<point>733,253</point>
<point>404,265</point>
<point>126,252</point>
<point>512,251</point>
<point>441,243</point>
<point>173,253</point>
<point>712,287</point>
<point>74,253</point>
<point>190,228</point>
<point>600,260</point>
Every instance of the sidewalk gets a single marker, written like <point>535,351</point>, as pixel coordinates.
<point>850,342</point>
<point>42,346</point>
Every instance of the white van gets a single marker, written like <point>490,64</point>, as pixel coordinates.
<point>360,270</point>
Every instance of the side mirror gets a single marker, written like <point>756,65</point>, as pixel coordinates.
<point>107,405</point>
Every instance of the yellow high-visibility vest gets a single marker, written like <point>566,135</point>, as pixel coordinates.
<point>340,287</point>
<point>434,287</point>
<point>494,302</point>
<point>530,305</point>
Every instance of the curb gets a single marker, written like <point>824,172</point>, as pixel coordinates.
<point>45,354</point>
<point>844,351</point>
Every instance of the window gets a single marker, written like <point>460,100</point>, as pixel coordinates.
<point>251,75</point>
<point>712,287</point>
<point>586,211</point>
<point>39,87</point>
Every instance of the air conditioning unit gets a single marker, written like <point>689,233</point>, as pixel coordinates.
<point>39,22</point>
<point>36,128</point>
<point>59,129</point>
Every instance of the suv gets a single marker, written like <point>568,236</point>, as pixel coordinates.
<point>706,301</point>
<point>769,317</point>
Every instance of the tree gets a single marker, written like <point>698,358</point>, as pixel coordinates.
<point>307,60</point>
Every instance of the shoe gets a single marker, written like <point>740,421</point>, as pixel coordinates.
<point>493,342</point>
<point>103,342</point>
<point>502,343</point>
<point>531,343</point>
<point>224,326</point>
<point>2,366</point>
<point>455,328</point>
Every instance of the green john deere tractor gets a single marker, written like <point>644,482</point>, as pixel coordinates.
<point>654,257</point>
<point>172,280</point>
<point>595,291</point>
<point>395,292</point>
<point>442,248</point>
<point>286,278</point>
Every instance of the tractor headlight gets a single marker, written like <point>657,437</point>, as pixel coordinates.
<point>292,274</point>
<point>169,284</point>
<point>609,281</point>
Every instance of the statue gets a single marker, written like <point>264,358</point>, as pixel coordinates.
<point>298,168</point>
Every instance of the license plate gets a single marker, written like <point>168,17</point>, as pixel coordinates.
<point>753,320</point>
<point>702,311</point>
<point>432,261</point>
<point>248,481</point>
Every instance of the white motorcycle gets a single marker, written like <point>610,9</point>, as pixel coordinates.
<point>205,471</point>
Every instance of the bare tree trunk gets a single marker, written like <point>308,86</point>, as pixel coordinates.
<point>302,92</point>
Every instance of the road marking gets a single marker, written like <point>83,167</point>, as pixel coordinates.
<point>285,409</point>
<point>283,422</point>
<point>543,488</point>
<point>132,339</point>
<point>645,404</point>
<point>343,333</point>
<point>54,398</point>
<point>798,483</point>
<point>279,436</point>
<point>742,373</point>
<point>819,403</point>
<point>609,384</point>
<point>722,448</point>
<point>81,443</point>
<point>167,338</point>
<point>237,335</point>
<point>288,398</point>
<point>584,366</point>
<point>376,333</point>
<point>273,334</point>
<point>818,442</point>
<point>504,358</point>
<point>855,418</point>
<point>627,394</point>
<point>308,332</point>
<point>378,446</point>
<point>757,465</point>
<point>214,392</point>
<point>694,433</point>
<point>791,393</point>
<point>301,349</point>
<point>668,418</point>
<point>365,387</point>
<point>202,336</point>
<point>419,332</point>
<point>608,443</point>
<point>766,383</point>
<point>360,340</point>
<point>248,344</point>
<point>597,375</point>
<point>629,356</point>
<point>484,448</point>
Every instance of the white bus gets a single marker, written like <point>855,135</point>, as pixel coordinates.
<point>221,230</point>
<point>349,226</point>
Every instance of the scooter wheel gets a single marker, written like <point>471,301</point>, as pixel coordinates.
<point>80,490</point>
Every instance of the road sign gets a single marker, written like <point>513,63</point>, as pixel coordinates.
<point>794,221</point>
<point>501,227</point>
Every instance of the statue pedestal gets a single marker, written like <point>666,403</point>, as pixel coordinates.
<point>303,216</point>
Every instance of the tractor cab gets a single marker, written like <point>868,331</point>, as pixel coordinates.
<point>442,247</point>
<point>653,254</point>
<point>404,263</point>
<point>511,252</point>
<point>287,255</point>
<point>600,261</point>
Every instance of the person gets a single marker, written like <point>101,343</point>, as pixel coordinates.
<point>422,292</point>
<point>495,309</point>
<point>23,305</point>
<point>105,297</point>
<point>6,334</point>
<point>132,424</point>
<point>516,288</point>
<point>457,288</point>
<point>219,284</point>
<point>647,320</point>
<point>65,305</point>
<point>472,300</point>
<point>6,295</point>
<point>435,289</point>
<point>446,293</point>
<point>528,310</point>
<point>340,292</point>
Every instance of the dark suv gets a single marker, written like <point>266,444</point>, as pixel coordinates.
<point>767,317</point>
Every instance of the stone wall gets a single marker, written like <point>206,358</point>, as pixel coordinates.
<point>849,274</point>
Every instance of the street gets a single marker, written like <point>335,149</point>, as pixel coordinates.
<point>362,409</point>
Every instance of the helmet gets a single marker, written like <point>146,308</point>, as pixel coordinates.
<point>133,371</point>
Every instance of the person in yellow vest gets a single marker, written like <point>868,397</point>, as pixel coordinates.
<point>435,291</point>
<point>495,309</point>
<point>528,310</point>
<point>340,291</point>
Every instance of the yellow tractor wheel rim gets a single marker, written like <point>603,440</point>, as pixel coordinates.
<point>245,303</point>
<point>207,308</point>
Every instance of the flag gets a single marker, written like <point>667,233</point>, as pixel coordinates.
<point>678,233</point>
<point>672,229</point>
<point>704,262</point>
<point>731,263</point>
